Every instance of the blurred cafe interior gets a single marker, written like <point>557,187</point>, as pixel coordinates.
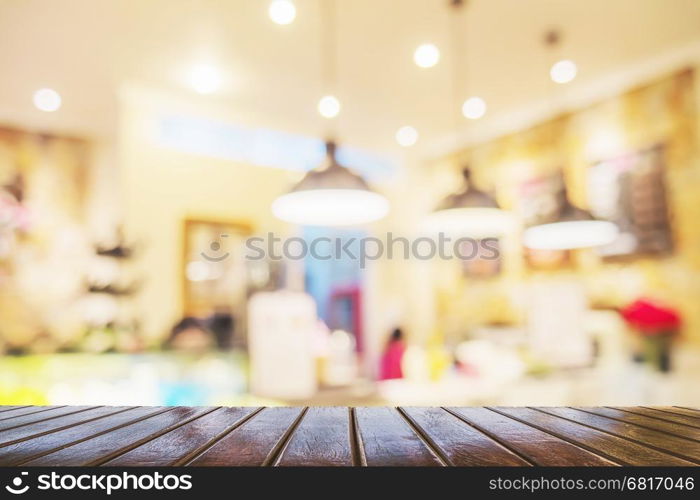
<point>147,146</point>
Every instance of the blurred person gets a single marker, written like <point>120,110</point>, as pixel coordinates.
<point>190,334</point>
<point>390,367</point>
<point>221,324</point>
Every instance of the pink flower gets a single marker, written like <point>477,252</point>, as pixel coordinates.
<point>651,318</point>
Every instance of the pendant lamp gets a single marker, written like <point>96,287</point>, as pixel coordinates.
<point>570,228</point>
<point>331,195</point>
<point>469,212</point>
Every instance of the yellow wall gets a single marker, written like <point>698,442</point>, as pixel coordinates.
<point>161,187</point>
<point>661,112</point>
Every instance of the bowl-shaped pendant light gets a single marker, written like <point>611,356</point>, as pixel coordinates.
<point>571,228</point>
<point>469,212</point>
<point>330,195</point>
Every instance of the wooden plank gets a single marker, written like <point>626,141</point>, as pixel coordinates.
<point>11,411</point>
<point>674,445</point>
<point>689,408</point>
<point>677,411</point>
<point>386,439</point>
<point>323,438</point>
<point>661,415</point>
<point>174,447</point>
<point>99,449</point>
<point>46,414</point>
<point>680,430</point>
<point>457,442</point>
<point>14,435</point>
<point>4,408</point>
<point>18,453</point>
<point>616,448</point>
<point>256,442</point>
<point>26,410</point>
<point>540,447</point>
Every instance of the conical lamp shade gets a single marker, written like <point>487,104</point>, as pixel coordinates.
<point>470,213</point>
<point>572,228</point>
<point>331,195</point>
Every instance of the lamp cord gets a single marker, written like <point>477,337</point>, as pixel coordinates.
<point>458,63</point>
<point>552,41</point>
<point>329,45</point>
<point>329,62</point>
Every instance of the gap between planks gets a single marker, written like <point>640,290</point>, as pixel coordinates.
<point>357,448</point>
<point>663,416</point>
<point>493,437</point>
<point>277,451</point>
<point>423,436</point>
<point>637,424</point>
<point>40,409</point>
<point>641,443</point>
<point>203,449</point>
<point>91,436</point>
<point>669,410</point>
<point>59,429</point>
<point>136,444</point>
<point>562,437</point>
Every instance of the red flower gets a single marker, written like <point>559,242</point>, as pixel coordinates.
<point>651,318</point>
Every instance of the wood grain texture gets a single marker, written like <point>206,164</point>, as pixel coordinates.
<point>18,453</point>
<point>24,410</point>
<point>661,415</point>
<point>675,410</point>
<point>256,442</point>
<point>386,439</point>
<point>679,430</point>
<point>684,448</point>
<point>44,414</point>
<point>341,436</point>
<point>174,447</point>
<point>618,449</point>
<point>540,447</point>
<point>5,408</point>
<point>323,437</point>
<point>458,443</point>
<point>54,424</point>
<point>99,449</point>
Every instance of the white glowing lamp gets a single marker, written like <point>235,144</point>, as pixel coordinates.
<point>331,195</point>
<point>469,212</point>
<point>572,228</point>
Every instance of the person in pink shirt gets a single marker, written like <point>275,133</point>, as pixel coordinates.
<point>390,367</point>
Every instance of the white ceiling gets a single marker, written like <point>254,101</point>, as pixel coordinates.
<point>87,48</point>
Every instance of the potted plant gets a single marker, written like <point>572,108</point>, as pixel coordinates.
<point>657,325</point>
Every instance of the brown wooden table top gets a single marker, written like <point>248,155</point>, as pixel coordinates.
<point>320,436</point>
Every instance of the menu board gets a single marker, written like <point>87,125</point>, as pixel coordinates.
<point>630,190</point>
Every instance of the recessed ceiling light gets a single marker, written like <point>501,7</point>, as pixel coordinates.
<point>563,71</point>
<point>205,79</point>
<point>47,100</point>
<point>426,55</point>
<point>282,11</point>
<point>406,136</point>
<point>329,106</point>
<point>474,108</point>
